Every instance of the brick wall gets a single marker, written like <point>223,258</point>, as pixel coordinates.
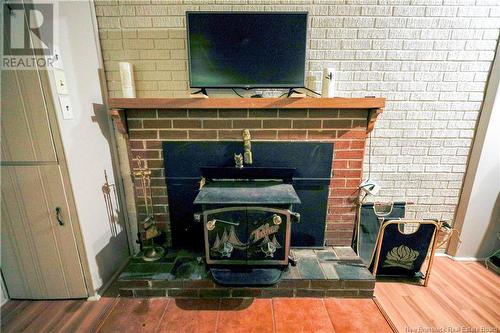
<point>429,58</point>
<point>346,128</point>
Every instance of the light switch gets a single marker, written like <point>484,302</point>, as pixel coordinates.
<point>61,86</point>
<point>56,58</point>
<point>66,108</point>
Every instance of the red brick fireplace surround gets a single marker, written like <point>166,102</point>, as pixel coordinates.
<point>146,122</point>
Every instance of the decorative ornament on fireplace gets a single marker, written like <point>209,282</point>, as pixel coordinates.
<point>247,147</point>
<point>238,161</point>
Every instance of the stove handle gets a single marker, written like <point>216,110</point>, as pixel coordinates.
<point>295,217</point>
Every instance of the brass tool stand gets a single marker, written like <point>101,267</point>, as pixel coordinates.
<point>151,252</point>
<point>107,188</point>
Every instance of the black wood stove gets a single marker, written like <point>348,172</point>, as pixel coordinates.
<point>247,215</point>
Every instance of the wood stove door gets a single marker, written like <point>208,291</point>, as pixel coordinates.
<point>226,236</point>
<point>268,234</point>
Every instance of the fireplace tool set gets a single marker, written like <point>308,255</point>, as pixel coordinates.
<point>150,231</point>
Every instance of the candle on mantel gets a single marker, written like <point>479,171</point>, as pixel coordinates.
<point>328,82</point>
<point>127,78</point>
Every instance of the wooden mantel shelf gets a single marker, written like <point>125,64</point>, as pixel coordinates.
<point>247,103</point>
<point>118,106</point>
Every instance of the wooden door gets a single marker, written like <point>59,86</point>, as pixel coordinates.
<point>40,257</point>
<point>26,132</point>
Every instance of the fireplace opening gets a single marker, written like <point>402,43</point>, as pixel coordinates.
<point>185,161</point>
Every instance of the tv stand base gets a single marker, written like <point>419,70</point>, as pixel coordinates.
<point>291,91</point>
<point>202,91</point>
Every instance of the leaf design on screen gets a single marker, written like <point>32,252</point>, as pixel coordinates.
<point>401,256</point>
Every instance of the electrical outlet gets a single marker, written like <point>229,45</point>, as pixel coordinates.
<point>56,58</point>
<point>61,85</point>
<point>66,108</point>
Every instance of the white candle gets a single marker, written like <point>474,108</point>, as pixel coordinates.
<point>127,78</point>
<point>328,82</point>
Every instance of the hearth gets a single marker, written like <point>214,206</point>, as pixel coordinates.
<point>330,272</point>
<point>247,215</point>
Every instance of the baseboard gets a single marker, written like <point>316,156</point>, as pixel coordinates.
<point>105,286</point>
<point>462,259</point>
<point>94,298</point>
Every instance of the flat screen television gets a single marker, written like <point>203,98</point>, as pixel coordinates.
<point>246,49</point>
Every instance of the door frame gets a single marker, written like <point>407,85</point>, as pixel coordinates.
<point>475,151</point>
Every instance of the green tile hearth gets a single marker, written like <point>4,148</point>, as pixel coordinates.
<point>329,272</point>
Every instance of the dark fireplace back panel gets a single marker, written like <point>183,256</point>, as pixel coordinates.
<point>312,161</point>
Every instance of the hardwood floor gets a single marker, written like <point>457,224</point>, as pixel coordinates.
<point>459,295</point>
<point>54,316</point>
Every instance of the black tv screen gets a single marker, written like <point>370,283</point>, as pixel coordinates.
<point>246,50</point>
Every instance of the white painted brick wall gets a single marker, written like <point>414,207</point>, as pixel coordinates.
<point>429,58</point>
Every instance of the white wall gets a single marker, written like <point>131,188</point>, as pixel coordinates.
<point>86,140</point>
<point>481,228</point>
